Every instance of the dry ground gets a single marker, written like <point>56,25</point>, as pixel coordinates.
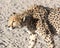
<point>18,38</point>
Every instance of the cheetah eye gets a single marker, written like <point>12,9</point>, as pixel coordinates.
<point>13,21</point>
<point>8,26</point>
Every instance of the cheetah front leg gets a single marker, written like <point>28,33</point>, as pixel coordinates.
<point>41,31</point>
<point>32,38</point>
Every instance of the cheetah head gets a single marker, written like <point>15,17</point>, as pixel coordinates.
<point>14,21</point>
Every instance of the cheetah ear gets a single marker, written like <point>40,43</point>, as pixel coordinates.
<point>13,14</point>
<point>23,19</point>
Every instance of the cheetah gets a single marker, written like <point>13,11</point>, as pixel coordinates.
<point>35,20</point>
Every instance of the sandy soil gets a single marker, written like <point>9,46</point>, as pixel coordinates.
<point>18,38</point>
